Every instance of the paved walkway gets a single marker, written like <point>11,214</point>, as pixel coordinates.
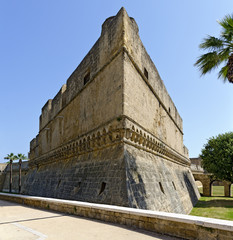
<point>25,223</point>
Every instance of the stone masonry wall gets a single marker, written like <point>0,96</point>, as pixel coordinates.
<point>146,100</point>
<point>119,33</point>
<point>117,164</point>
<point>97,176</point>
<point>2,174</point>
<point>112,134</point>
<point>96,104</point>
<point>158,184</point>
<point>15,176</point>
<point>142,62</point>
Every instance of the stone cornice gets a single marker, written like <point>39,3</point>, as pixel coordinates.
<point>120,131</point>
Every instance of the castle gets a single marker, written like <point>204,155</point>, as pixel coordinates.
<point>112,133</point>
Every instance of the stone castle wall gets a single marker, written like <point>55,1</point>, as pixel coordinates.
<point>146,100</point>
<point>89,177</point>
<point>112,133</point>
<point>79,107</point>
<point>156,184</point>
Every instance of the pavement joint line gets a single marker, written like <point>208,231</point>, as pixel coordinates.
<point>40,235</point>
<point>34,219</point>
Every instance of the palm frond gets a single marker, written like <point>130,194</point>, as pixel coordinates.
<point>11,156</point>
<point>220,50</point>
<point>223,73</point>
<point>212,43</point>
<point>24,157</point>
<point>227,25</point>
<point>227,22</point>
<point>21,156</point>
<point>208,62</point>
<point>227,36</point>
<point>225,53</point>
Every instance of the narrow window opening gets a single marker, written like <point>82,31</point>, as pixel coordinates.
<point>146,73</point>
<point>182,184</point>
<point>169,109</point>
<point>77,188</point>
<point>103,185</point>
<point>59,182</point>
<point>161,187</point>
<point>86,78</point>
<point>174,185</point>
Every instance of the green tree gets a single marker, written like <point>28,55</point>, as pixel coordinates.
<point>217,156</point>
<point>10,157</point>
<point>21,157</point>
<point>220,50</point>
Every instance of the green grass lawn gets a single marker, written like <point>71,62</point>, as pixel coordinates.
<point>215,206</point>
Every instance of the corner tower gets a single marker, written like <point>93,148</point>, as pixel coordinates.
<point>112,133</point>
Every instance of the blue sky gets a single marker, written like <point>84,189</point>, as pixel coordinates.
<point>42,42</point>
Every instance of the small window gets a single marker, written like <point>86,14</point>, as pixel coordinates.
<point>161,187</point>
<point>86,78</point>
<point>169,109</point>
<point>146,73</point>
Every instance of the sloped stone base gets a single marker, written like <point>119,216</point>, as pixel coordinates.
<point>158,184</point>
<point>120,175</point>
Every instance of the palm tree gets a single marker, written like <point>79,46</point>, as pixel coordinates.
<point>21,157</point>
<point>11,157</point>
<point>220,50</point>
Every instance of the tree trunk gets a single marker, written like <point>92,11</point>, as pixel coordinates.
<point>20,164</point>
<point>10,188</point>
<point>230,69</point>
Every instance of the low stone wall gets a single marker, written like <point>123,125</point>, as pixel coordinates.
<point>2,174</point>
<point>179,225</point>
<point>2,180</point>
<point>5,176</point>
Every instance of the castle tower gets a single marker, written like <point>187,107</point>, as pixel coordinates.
<point>112,133</point>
